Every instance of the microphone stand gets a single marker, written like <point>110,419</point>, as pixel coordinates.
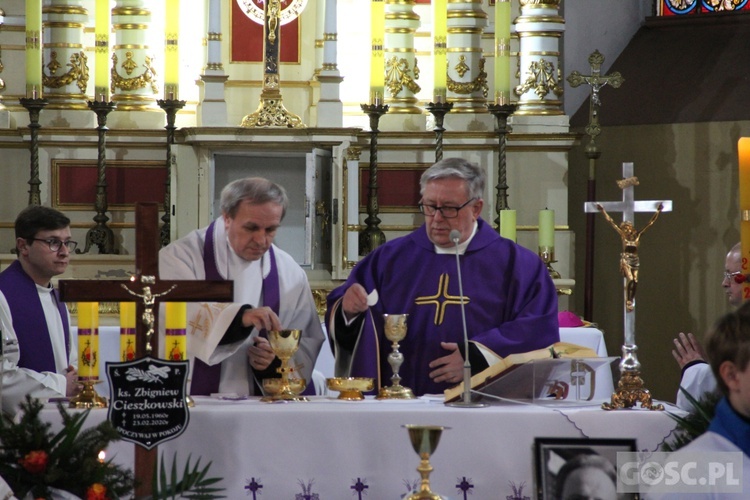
<point>466,401</point>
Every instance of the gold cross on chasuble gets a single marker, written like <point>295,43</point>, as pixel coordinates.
<point>441,299</point>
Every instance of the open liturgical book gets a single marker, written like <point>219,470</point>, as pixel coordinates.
<point>541,374</point>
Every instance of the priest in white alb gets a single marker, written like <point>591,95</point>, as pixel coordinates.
<point>227,342</point>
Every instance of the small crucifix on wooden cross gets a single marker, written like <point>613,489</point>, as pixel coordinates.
<point>147,291</point>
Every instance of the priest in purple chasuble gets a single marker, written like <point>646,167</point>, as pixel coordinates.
<point>510,299</point>
<point>227,342</point>
<point>31,313</point>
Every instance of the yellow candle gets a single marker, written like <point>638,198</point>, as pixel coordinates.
<point>171,52</point>
<point>508,224</point>
<point>101,61</point>
<point>547,229</point>
<point>176,323</point>
<point>377,58</point>
<point>88,340</point>
<point>34,48</point>
<point>127,331</point>
<point>744,181</point>
<point>439,39</point>
<point>502,51</point>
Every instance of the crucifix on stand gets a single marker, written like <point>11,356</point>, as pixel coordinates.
<point>597,81</point>
<point>630,388</point>
<point>146,290</point>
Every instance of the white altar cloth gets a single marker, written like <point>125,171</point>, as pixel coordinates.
<point>329,447</point>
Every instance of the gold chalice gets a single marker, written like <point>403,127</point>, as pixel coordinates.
<point>424,440</point>
<point>350,388</point>
<point>394,326</point>
<point>284,344</point>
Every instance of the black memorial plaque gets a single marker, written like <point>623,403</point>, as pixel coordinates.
<point>147,404</point>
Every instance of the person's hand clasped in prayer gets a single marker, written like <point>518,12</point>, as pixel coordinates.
<point>687,349</point>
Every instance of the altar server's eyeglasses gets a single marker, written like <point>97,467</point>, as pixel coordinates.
<point>738,277</point>
<point>446,212</point>
<point>55,244</point>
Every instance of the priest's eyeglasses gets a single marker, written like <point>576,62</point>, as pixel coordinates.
<point>447,212</point>
<point>738,277</point>
<point>55,244</point>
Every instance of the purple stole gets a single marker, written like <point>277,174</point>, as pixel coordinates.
<point>206,377</point>
<point>34,344</point>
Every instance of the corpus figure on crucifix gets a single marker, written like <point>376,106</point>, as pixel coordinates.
<point>629,260</point>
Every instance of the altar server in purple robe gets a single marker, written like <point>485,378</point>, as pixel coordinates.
<point>510,299</point>
<point>32,317</point>
<point>227,341</point>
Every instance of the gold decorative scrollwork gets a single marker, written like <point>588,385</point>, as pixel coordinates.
<point>462,68</point>
<point>397,76</point>
<point>320,296</point>
<point>137,82</point>
<point>353,153</point>
<point>477,84</point>
<point>541,78</point>
<point>78,72</point>
<point>129,64</point>
<point>272,113</point>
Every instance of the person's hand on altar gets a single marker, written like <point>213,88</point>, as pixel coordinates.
<point>449,368</point>
<point>354,301</point>
<point>260,354</point>
<point>72,387</point>
<point>687,349</point>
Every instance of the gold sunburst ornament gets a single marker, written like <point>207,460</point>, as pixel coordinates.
<point>290,10</point>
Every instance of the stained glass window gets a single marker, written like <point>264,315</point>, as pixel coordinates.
<point>684,7</point>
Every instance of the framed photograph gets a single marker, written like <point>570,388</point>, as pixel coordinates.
<point>578,468</point>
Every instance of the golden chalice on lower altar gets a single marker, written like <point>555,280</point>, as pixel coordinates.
<point>284,344</point>
<point>424,439</point>
<point>394,326</point>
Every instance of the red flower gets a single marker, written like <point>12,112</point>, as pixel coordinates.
<point>96,491</point>
<point>35,462</point>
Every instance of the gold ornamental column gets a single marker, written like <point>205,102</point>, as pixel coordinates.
<point>467,77</point>
<point>401,65</point>
<point>65,68</point>
<point>134,81</point>
<point>540,85</point>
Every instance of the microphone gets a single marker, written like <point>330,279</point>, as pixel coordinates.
<point>466,402</point>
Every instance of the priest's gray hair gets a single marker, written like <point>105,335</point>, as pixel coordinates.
<point>256,190</point>
<point>459,168</point>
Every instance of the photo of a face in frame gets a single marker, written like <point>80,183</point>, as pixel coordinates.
<point>579,469</point>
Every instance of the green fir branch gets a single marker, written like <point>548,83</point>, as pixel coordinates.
<point>696,422</point>
<point>192,484</point>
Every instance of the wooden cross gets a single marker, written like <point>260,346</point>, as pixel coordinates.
<point>596,80</point>
<point>628,206</point>
<point>146,266</point>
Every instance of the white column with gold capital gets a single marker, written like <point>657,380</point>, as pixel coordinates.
<point>467,75</point>
<point>65,72</point>
<point>134,81</point>
<point>212,109</point>
<point>540,86</point>
<point>330,109</point>
<point>401,65</point>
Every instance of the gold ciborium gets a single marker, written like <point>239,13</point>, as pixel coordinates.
<point>350,388</point>
<point>394,326</point>
<point>284,344</point>
<point>424,439</point>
